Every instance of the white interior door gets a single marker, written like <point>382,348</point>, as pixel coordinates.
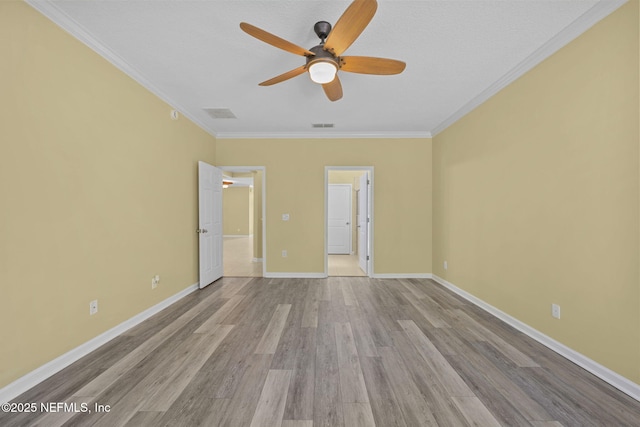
<point>339,219</point>
<point>209,223</point>
<point>363,223</point>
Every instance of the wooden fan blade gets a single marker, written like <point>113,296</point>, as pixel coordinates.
<point>333,89</point>
<point>352,22</point>
<point>285,76</point>
<point>274,40</point>
<point>371,65</point>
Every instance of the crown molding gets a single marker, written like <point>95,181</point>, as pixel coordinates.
<point>598,12</point>
<point>71,26</point>
<point>316,135</point>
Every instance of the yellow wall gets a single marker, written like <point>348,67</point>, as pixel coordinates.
<point>235,202</point>
<point>98,192</point>
<point>536,196</point>
<point>295,185</point>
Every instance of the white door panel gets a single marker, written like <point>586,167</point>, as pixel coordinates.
<point>209,223</point>
<point>339,219</point>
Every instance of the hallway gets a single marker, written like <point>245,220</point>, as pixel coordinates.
<point>238,257</point>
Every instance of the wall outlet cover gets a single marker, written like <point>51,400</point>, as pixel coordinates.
<point>93,307</point>
<point>555,310</point>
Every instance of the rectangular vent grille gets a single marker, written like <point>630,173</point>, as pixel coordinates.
<point>220,113</point>
<point>322,125</point>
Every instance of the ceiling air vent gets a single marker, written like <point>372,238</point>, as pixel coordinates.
<point>220,113</point>
<point>322,125</point>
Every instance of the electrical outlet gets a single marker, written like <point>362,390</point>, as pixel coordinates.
<point>555,310</point>
<point>445,265</point>
<point>93,307</point>
<point>154,281</point>
<point>284,253</point>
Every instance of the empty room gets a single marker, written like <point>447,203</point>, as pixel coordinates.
<point>320,213</point>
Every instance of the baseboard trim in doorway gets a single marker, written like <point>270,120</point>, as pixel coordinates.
<point>616,380</point>
<point>45,371</point>
<point>295,275</point>
<point>402,276</point>
<point>256,260</point>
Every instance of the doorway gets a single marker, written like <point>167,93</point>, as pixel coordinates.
<point>348,220</point>
<point>243,213</point>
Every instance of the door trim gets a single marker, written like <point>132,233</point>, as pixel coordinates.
<point>370,204</point>
<point>264,206</point>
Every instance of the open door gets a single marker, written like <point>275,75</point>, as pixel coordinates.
<point>209,223</point>
<point>363,223</point>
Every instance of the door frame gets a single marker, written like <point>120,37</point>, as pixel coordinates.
<point>245,169</point>
<point>370,204</point>
<point>362,194</point>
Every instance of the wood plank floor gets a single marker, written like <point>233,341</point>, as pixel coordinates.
<point>324,352</point>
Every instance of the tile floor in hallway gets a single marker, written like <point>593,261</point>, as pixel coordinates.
<point>238,257</point>
<point>238,260</point>
<point>344,265</point>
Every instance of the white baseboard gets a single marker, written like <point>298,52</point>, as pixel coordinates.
<point>40,374</point>
<point>236,235</point>
<point>256,260</point>
<point>616,380</point>
<point>402,276</point>
<point>272,275</point>
<point>324,276</point>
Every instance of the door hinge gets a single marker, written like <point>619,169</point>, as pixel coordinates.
<point>368,182</point>
<point>368,220</point>
<point>367,257</point>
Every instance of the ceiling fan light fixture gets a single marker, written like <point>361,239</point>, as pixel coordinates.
<point>324,60</point>
<point>322,71</point>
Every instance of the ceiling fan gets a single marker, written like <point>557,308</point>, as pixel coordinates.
<point>324,60</point>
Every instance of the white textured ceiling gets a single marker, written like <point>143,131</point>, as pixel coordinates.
<point>194,56</point>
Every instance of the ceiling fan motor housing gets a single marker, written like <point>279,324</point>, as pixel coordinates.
<point>322,29</point>
<point>322,55</point>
